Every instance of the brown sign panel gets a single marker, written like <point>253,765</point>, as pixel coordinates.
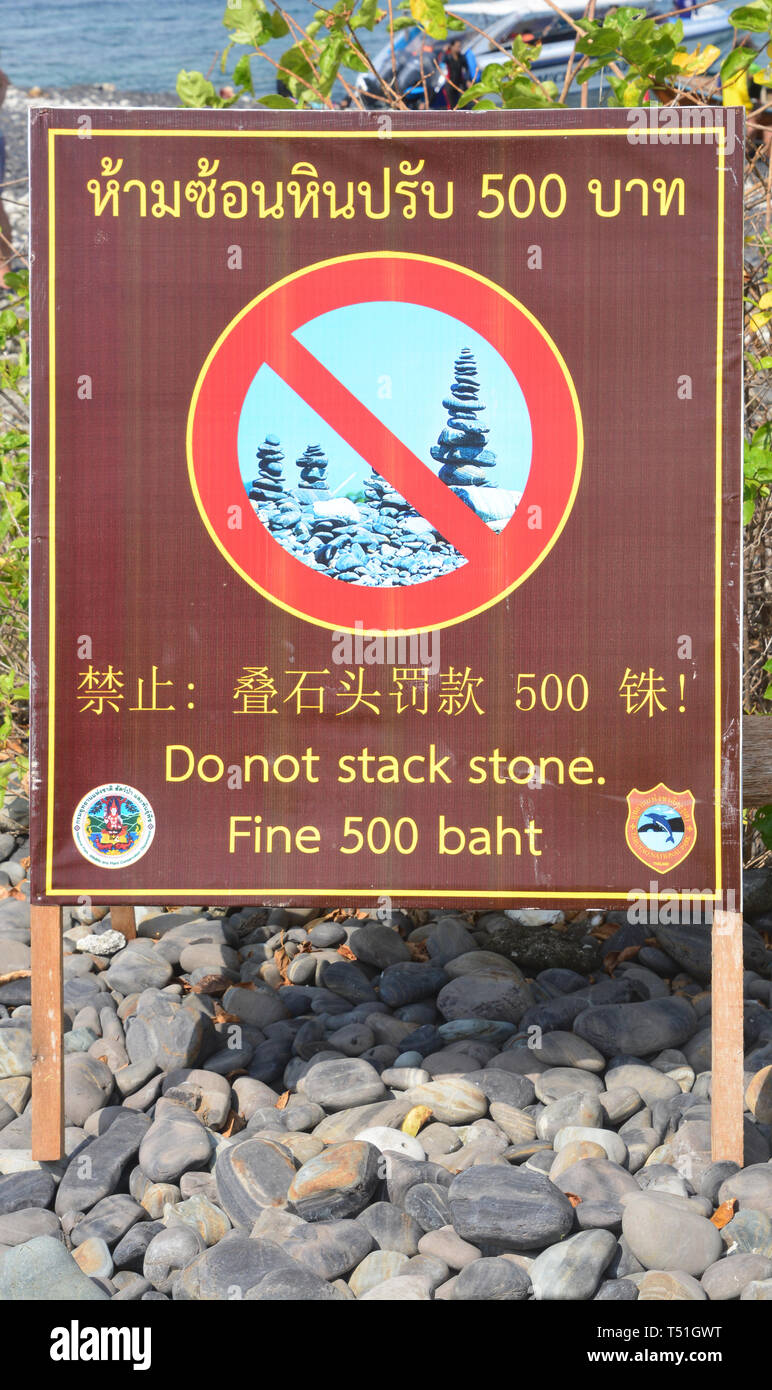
<point>387,506</point>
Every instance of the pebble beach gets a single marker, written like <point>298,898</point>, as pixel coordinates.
<point>272,1105</point>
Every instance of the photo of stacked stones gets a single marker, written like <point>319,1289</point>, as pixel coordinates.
<point>380,539</point>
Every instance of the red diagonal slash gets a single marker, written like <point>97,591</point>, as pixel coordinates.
<point>375,443</point>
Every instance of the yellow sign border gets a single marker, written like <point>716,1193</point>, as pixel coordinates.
<point>715,135</point>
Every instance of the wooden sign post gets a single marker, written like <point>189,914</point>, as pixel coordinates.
<point>413,560</point>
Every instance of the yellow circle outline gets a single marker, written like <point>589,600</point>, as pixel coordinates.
<point>385,255</point>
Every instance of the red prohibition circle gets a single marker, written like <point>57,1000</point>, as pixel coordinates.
<point>263,333</point>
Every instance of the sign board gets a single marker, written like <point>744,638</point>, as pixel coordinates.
<point>386,506</point>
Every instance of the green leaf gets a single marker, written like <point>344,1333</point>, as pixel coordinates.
<point>736,62</point>
<point>757,17</point>
<point>242,73</point>
<point>762,823</point>
<point>430,14</point>
<point>277,103</point>
<point>367,14</point>
<point>193,89</point>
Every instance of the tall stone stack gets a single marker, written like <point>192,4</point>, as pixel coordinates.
<point>460,447</point>
<point>269,485</point>
<point>272,500</point>
<point>313,464</point>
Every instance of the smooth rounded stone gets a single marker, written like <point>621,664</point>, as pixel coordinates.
<point>429,1268</point>
<point>713,1176</point>
<point>452,1100</point>
<point>402,1078</point>
<point>427,1203</point>
<point>616,1291</point>
<point>560,1049</point>
<point>758,1096</point>
<point>168,1252</point>
<point>449,939</point>
<point>492,1278</point>
<point>43,1270</point>
<point>94,1258</point>
<point>661,1177</point>
<point>615,1147</point>
<point>664,1286</point>
<point>518,1125</point>
<point>327,934</point>
<point>129,1253</point>
<point>165,1032</point>
<point>213,956</point>
<point>253,1174</point>
<point>620,1104</point>
<point>33,1188</point>
<point>579,1108</point>
<point>146,1096</point>
<point>329,1249</point>
<point>345,979</point>
<point>251,1095</point>
<point>729,1277</point>
<point>404,1288</point>
<point>109,1219</point>
<point>88,1085</point>
<point>343,1084</point>
<point>175,1142</point>
<point>410,982</point>
<point>603,1216</point>
<point>650,1083</point>
<point>390,1228</point>
<point>387,1140</point>
<point>206,1093</point>
<point>277,1225</point>
<point>131,1078</point>
<point>437,1140</point>
<point>15,1052</point>
<point>457,1059</point>
<point>518,1060</point>
<point>337,1183</point>
<point>573,1270</point>
<point>503,1087</point>
<point>445,1244</point>
<point>342,1125</point>
<point>258,1007</point>
<point>557,1082</point>
<point>597,1180</point>
<point>230,1268</point>
<point>378,945</point>
<point>137,968</point>
<point>509,1208</point>
<point>264,1119</point>
<point>472,962</point>
<point>352,1040</point>
<point>640,1144</point>
<point>375,1269</point>
<point>664,1234</point>
<point>489,994</point>
<point>752,1187</point>
<point>198,1183</point>
<point>285,1285</point>
<point>26,1223</point>
<point>638,1029</point>
<point>574,1153</point>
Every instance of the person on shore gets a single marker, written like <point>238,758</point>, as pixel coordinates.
<point>459,72</point>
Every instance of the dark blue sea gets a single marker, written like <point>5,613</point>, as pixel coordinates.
<point>139,45</point>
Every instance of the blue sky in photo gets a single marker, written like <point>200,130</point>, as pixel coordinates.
<point>374,349</point>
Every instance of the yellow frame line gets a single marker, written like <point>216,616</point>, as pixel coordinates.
<point>486,133</point>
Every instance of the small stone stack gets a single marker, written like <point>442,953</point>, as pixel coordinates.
<point>388,505</point>
<point>313,465</point>
<point>460,447</point>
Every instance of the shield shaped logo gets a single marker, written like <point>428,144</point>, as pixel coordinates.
<point>661,829</point>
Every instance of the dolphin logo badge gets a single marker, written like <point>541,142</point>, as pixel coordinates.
<point>661,829</point>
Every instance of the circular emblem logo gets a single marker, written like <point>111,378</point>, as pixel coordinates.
<point>661,827</point>
<point>113,825</point>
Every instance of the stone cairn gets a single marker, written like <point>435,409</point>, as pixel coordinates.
<point>313,464</point>
<point>274,503</point>
<point>460,447</point>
